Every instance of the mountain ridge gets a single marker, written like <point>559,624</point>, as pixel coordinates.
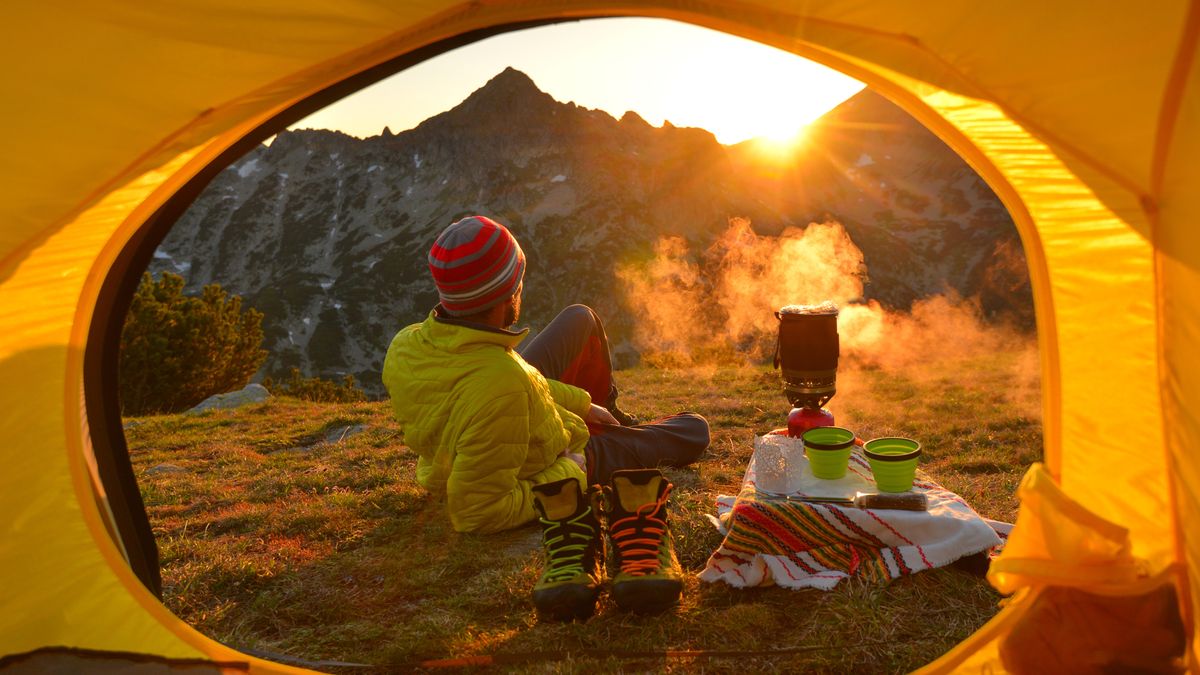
<point>327,233</point>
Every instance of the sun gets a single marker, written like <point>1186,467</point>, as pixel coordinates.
<point>740,93</point>
<point>780,144</point>
<point>787,135</point>
<point>780,124</point>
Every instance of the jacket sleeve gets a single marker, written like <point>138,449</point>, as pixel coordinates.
<point>483,493</point>
<point>570,397</point>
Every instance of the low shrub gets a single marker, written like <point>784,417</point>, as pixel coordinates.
<point>177,350</point>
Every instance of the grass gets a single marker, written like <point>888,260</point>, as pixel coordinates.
<point>274,538</point>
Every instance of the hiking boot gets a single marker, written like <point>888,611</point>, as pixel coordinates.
<point>648,578</point>
<point>574,550</point>
<point>624,418</point>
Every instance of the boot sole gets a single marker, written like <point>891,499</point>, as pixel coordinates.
<point>647,596</point>
<point>566,603</point>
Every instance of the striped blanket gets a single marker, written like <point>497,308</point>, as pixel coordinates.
<point>796,544</point>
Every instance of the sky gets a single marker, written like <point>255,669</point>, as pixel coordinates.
<point>694,77</point>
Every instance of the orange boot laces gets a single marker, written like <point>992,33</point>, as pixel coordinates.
<point>638,538</point>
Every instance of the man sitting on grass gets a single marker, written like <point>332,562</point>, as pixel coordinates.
<point>490,417</point>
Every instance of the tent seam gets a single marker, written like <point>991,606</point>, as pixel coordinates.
<point>1172,103</point>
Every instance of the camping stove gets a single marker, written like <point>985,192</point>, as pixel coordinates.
<point>807,354</point>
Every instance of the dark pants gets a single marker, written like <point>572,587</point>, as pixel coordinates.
<point>574,349</point>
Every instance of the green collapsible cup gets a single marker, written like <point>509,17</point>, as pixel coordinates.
<point>828,450</point>
<point>893,462</point>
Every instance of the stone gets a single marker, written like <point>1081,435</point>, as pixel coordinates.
<point>165,468</point>
<point>337,435</point>
<point>251,393</point>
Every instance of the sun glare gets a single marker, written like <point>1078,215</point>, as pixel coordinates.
<point>788,134</point>
<point>741,90</point>
<point>781,143</point>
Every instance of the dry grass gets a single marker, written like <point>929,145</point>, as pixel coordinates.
<point>275,539</point>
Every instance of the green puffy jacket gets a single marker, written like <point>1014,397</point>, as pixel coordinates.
<point>486,425</point>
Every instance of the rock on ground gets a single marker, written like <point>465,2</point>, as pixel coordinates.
<point>251,393</point>
<point>165,468</point>
<point>341,433</point>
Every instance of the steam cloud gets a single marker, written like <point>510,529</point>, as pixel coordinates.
<point>718,305</point>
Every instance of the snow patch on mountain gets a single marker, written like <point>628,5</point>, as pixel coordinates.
<point>248,168</point>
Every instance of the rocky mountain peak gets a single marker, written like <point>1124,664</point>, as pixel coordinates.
<point>327,139</point>
<point>869,120</point>
<point>509,98</point>
<point>512,81</point>
<point>631,118</point>
<point>866,106</point>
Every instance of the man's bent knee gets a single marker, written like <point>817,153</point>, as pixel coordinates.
<point>577,316</point>
<point>695,429</point>
<point>578,312</point>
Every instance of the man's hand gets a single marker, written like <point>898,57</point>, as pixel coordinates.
<point>577,458</point>
<point>599,415</point>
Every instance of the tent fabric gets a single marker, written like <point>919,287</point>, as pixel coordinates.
<point>1084,117</point>
<point>1063,543</point>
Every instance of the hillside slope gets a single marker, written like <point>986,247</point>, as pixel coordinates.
<point>326,234</point>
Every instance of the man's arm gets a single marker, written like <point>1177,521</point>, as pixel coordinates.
<point>579,402</point>
<point>483,491</point>
<point>570,397</point>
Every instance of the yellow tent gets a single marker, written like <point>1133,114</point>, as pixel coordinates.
<point>1083,116</point>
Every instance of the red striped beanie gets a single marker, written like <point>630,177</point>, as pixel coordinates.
<point>476,263</point>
